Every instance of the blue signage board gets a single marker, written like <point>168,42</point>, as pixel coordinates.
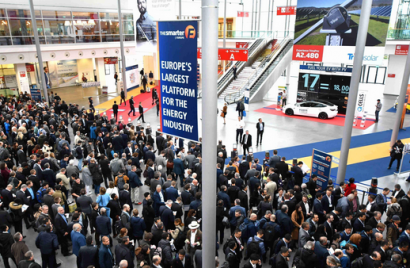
<point>321,166</point>
<point>35,93</point>
<point>177,49</point>
<point>326,68</point>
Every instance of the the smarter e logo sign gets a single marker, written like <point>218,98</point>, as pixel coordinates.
<point>190,32</point>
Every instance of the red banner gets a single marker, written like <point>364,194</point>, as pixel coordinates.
<point>30,68</point>
<point>243,14</point>
<point>242,44</point>
<point>391,75</point>
<point>228,54</point>
<point>307,53</point>
<point>111,60</point>
<point>402,50</point>
<point>286,10</point>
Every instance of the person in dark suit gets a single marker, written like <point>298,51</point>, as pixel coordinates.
<point>115,210</point>
<point>328,202</point>
<point>7,196</point>
<point>158,199</point>
<point>179,170</point>
<point>61,229</point>
<point>283,168</point>
<point>398,192</point>
<point>103,223</point>
<point>298,173</point>
<point>255,261</point>
<point>49,175</point>
<point>233,191</point>
<point>171,193</point>
<point>132,108</point>
<point>306,207</point>
<point>167,216</point>
<point>222,195</point>
<point>373,221</point>
<point>125,196</point>
<point>384,246</point>
<point>182,261</point>
<point>260,128</point>
<point>115,109</point>
<point>105,255</point>
<point>318,208</point>
<point>243,197</point>
<point>84,202</point>
<point>141,111</point>
<point>88,254</point>
<point>221,161</point>
<point>246,142</point>
<point>328,227</point>
<point>359,223</point>
<point>321,252</point>
<point>282,259</point>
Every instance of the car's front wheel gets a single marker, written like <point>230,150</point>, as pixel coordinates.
<point>289,111</point>
<point>323,116</point>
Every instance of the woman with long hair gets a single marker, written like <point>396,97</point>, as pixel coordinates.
<point>102,200</point>
<point>148,213</point>
<point>112,189</point>
<point>265,205</point>
<point>224,112</point>
<point>190,217</point>
<point>14,150</point>
<point>179,228</point>
<point>297,219</point>
<point>355,240</point>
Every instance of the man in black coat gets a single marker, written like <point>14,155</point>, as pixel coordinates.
<point>125,196</point>
<point>167,216</point>
<point>84,202</point>
<point>246,142</point>
<point>115,209</point>
<point>7,196</point>
<point>260,128</point>
<point>6,239</point>
<point>141,111</point>
<point>243,197</point>
<point>88,254</point>
<point>182,261</point>
<point>48,200</point>
<point>177,207</point>
<point>283,169</point>
<point>231,254</point>
<point>132,108</point>
<point>160,143</point>
<point>243,167</point>
<point>298,173</point>
<point>115,108</point>
<point>124,251</point>
<point>282,259</point>
<point>61,230</point>
<point>49,175</point>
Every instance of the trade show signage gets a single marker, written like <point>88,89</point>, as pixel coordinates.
<point>334,26</point>
<point>243,14</point>
<point>401,50</point>
<point>30,68</point>
<point>326,68</point>
<point>321,167</point>
<point>308,53</point>
<point>178,78</point>
<point>228,54</point>
<point>242,44</point>
<point>110,60</point>
<point>291,10</point>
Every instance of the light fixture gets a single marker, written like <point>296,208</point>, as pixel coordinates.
<point>98,111</point>
<point>91,22</point>
<point>67,23</point>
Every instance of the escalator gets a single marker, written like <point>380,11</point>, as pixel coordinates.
<point>223,82</point>
<point>269,70</point>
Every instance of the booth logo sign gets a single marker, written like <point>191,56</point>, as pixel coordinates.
<point>360,103</point>
<point>365,57</point>
<point>190,32</point>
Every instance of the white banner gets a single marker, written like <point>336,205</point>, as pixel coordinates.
<point>339,54</point>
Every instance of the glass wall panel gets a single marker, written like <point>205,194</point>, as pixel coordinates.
<point>109,15</point>
<point>4,28</point>
<point>23,27</point>
<point>85,15</point>
<point>49,14</point>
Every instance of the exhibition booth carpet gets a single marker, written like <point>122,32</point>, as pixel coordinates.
<point>123,110</point>
<point>339,120</point>
<point>369,154</point>
<point>391,110</point>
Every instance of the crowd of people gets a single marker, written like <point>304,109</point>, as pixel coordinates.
<point>115,194</point>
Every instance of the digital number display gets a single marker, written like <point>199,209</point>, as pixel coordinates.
<point>319,83</point>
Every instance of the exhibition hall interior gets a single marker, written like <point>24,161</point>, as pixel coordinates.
<point>301,77</point>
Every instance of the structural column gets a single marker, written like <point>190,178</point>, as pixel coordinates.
<point>401,101</point>
<point>123,71</point>
<point>224,29</point>
<point>354,88</point>
<point>209,126</point>
<point>38,50</point>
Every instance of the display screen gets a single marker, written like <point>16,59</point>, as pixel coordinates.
<point>332,88</point>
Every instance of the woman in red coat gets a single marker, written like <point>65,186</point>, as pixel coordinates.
<point>350,186</point>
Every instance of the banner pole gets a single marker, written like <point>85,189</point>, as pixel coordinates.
<point>124,80</point>
<point>209,127</point>
<point>39,56</point>
<point>354,88</point>
<point>401,101</point>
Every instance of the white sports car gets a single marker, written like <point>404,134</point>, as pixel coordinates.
<point>320,109</point>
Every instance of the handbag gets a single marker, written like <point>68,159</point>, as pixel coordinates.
<point>244,113</point>
<point>225,222</point>
<point>170,165</point>
<point>222,114</point>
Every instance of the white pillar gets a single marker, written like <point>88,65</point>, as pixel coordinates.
<point>22,78</point>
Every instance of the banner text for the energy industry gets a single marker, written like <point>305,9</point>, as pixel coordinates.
<point>176,96</point>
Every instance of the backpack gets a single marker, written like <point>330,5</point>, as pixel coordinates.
<point>269,233</point>
<point>74,152</point>
<point>357,263</point>
<point>40,193</point>
<point>118,226</point>
<point>225,246</point>
<point>120,182</point>
<point>253,247</point>
<point>231,173</point>
<point>297,260</point>
<point>180,240</point>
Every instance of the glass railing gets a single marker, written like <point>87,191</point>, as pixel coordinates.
<point>398,34</point>
<point>256,34</point>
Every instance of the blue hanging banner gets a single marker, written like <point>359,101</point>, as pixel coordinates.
<point>177,49</point>
<point>321,166</point>
<point>35,93</point>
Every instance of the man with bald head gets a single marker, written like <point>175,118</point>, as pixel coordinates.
<point>78,240</point>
